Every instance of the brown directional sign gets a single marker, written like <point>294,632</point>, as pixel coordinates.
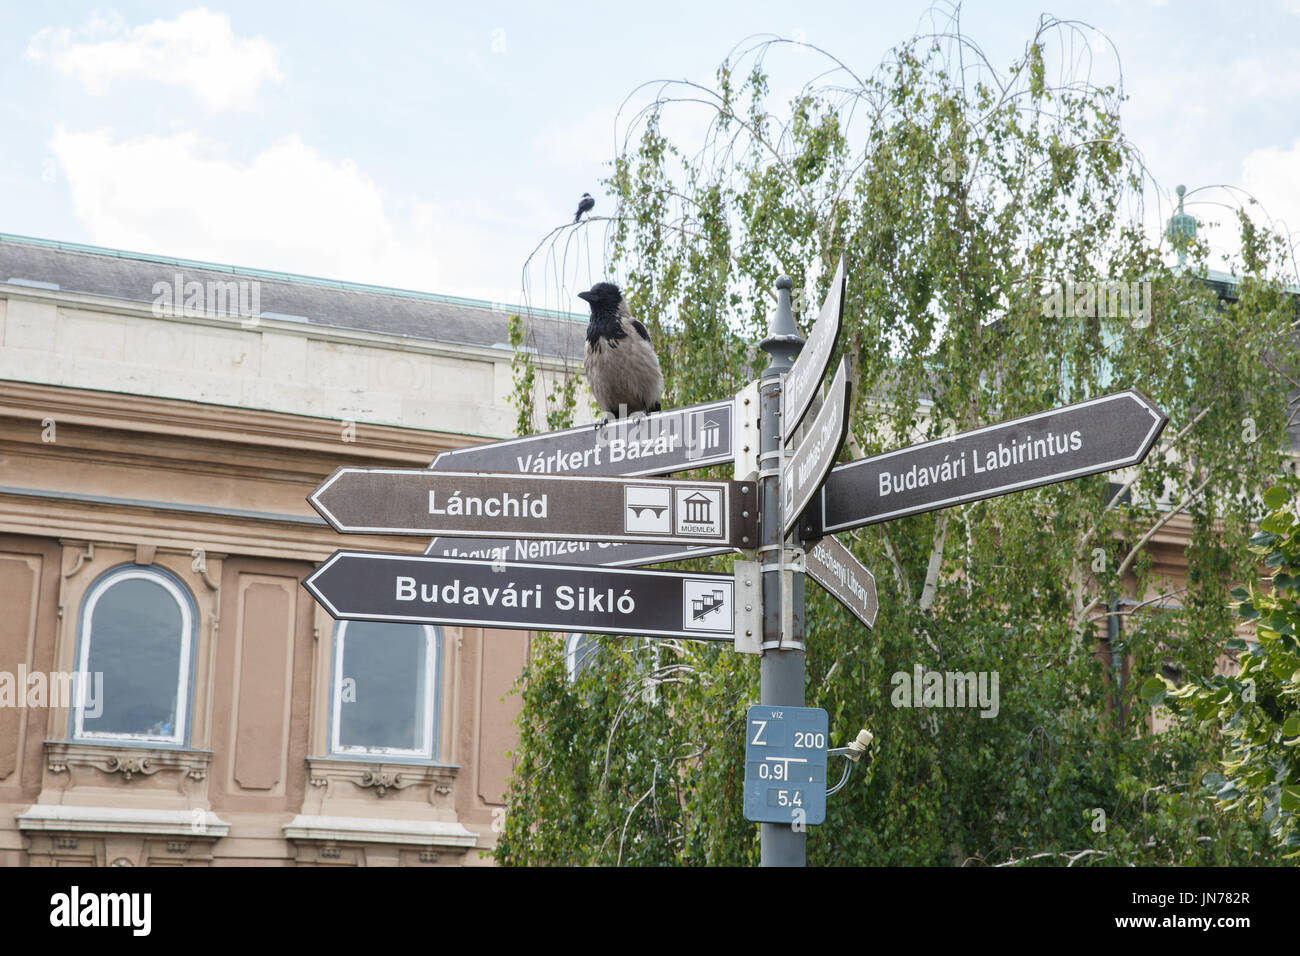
<point>834,567</point>
<point>806,468</point>
<point>646,510</point>
<point>804,380</point>
<point>366,586</point>
<point>1100,434</point>
<point>608,554</point>
<point>680,439</point>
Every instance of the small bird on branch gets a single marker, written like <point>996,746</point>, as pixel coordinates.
<point>621,365</point>
<point>585,204</point>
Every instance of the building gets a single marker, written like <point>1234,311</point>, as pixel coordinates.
<point>162,422</point>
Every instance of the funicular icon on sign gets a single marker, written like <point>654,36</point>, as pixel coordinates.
<point>706,604</point>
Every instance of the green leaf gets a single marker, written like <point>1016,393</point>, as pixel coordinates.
<point>1292,726</point>
<point>1154,691</point>
<point>1278,523</point>
<point>1276,497</point>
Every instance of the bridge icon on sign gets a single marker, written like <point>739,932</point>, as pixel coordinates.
<point>647,510</point>
<point>638,510</point>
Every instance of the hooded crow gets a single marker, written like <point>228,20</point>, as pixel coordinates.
<point>621,365</point>
<point>585,204</point>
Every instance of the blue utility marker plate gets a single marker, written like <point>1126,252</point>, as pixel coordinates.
<point>785,764</point>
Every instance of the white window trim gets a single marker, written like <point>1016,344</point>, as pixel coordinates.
<point>182,686</point>
<point>431,697</point>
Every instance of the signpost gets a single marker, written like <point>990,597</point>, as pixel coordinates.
<point>365,586</point>
<point>785,764</point>
<point>419,501</point>
<point>1101,434</point>
<point>607,554</point>
<point>804,379</point>
<point>806,469</point>
<point>540,532</point>
<point>834,567</point>
<point>681,439</point>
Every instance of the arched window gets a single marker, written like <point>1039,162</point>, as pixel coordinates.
<point>580,652</point>
<point>385,689</point>
<point>134,658</point>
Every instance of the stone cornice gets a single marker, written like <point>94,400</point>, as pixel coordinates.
<point>380,777</point>
<point>63,755</point>
<point>68,818</point>
<point>178,530</point>
<point>223,423</point>
<point>338,829</point>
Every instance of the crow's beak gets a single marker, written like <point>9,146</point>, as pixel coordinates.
<point>585,296</point>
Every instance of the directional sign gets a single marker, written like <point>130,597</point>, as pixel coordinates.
<point>1101,434</point>
<point>420,501</point>
<point>804,379</point>
<point>785,764</point>
<point>680,439</point>
<point>834,567</point>
<point>806,469</point>
<point>608,554</point>
<point>365,586</point>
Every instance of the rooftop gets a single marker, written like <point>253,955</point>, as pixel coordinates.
<point>132,276</point>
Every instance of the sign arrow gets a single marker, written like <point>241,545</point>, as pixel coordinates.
<point>420,501</point>
<point>680,439</point>
<point>804,379</point>
<point>836,569</point>
<point>608,554</point>
<point>807,467</point>
<point>366,586</point>
<point>1089,437</point>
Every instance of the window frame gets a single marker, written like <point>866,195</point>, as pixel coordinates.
<point>432,700</point>
<point>185,672</point>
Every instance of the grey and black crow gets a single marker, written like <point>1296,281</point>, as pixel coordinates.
<point>621,365</point>
<point>585,204</point>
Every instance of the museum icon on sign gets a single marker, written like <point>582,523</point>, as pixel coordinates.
<point>699,511</point>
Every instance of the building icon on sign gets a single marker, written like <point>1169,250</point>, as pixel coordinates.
<point>699,507</point>
<point>710,435</point>
<point>703,435</point>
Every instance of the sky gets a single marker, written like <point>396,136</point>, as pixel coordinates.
<point>432,146</point>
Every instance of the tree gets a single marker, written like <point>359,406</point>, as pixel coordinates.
<point>1257,709</point>
<point>966,201</point>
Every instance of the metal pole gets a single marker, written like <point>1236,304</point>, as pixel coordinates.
<point>782,666</point>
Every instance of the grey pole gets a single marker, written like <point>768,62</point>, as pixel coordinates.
<point>781,668</point>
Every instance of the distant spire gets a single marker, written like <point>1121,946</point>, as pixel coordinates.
<point>1181,229</point>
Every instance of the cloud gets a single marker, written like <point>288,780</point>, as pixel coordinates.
<point>1259,78</point>
<point>289,209</point>
<point>579,144</point>
<point>197,51</point>
<point>1269,175</point>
